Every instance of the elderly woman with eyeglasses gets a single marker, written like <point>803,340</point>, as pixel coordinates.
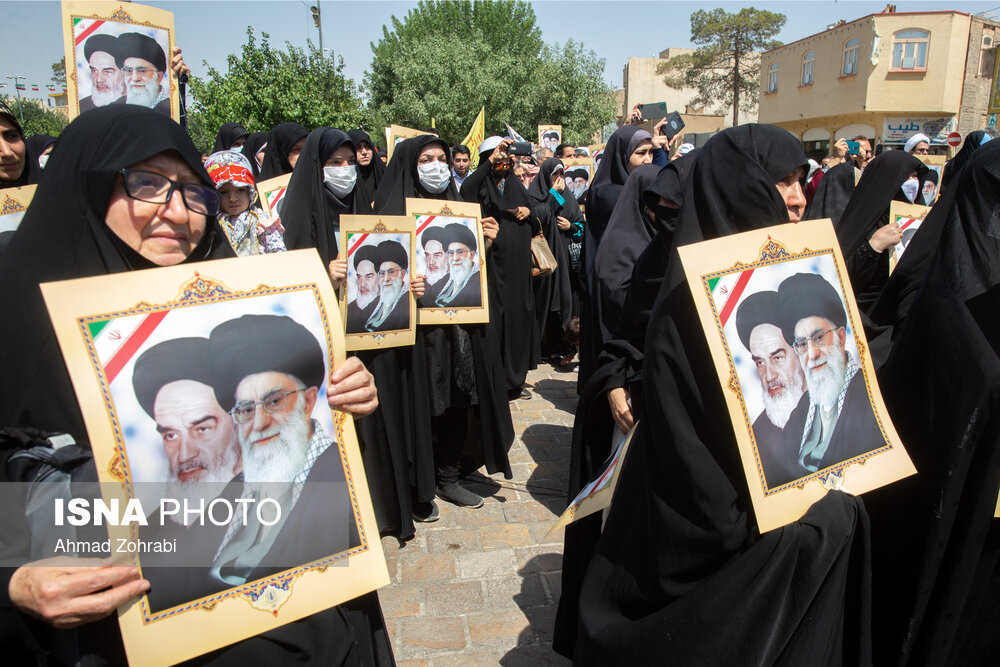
<point>125,191</point>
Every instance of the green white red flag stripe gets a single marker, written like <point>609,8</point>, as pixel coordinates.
<point>116,341</point>
<point>351,249</point>
<point>906,222</point>
<point>274,197</point>
<point>428,220</point>
<point>86,32</point>
<point>726,292</point>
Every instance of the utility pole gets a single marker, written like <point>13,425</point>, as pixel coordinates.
<point>317,19</point>
<point>17,91</point>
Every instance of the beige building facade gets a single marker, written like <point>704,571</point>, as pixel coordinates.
<point>642,85</point>
<point>885,77</point>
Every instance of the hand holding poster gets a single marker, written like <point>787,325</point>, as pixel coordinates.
<point>271,520</point>
<point>119,54</point>
<point>791,356</point>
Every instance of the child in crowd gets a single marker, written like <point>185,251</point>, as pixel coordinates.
<point>250,230</point>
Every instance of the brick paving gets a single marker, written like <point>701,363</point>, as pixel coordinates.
<point>480,587</point>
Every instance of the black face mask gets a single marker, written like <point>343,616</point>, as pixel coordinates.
<point>666,215</point>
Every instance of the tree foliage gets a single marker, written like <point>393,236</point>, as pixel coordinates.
<point>445,60</point>
<point>38,119</point>
<point>59,72</point>
<point>264,86</point>
<point>725,70</point>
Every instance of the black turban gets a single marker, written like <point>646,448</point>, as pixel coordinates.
<point>434,234</point>
<point>551,134</point>
<point>136,45</point>
<point>391,251</point>
<point>363,253</point>
<point>756,309</point>
<point>459,233</point>
<point>577,173</point>
<point>808,295</point>
<point>106,43</point>
<point>166,362</point>
<point>254,344</point>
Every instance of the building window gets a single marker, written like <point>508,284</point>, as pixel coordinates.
<point>808,60</point>
<point>986,56</point>
<point>909,50</point>
<point>772,78</point>
<point>851,48</point>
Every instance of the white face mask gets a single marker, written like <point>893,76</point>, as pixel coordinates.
<point>341,179</point>
<point>42,160</point>
<point>910,188</point>
<point>434,176</point>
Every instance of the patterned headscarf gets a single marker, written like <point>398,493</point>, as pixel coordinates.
<point>231,167</point>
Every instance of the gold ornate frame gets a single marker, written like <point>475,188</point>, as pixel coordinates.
<point>424,211</point>
<point>707,262</point>
<point>352,226</point>
<point>79,310</point>
<point>74,11</point>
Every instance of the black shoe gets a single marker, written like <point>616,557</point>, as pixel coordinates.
<point>425,512</point>
<point>458,494</point>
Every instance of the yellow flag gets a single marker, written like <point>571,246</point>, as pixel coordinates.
<point>476,136</point>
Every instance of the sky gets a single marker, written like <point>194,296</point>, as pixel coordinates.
<point>209,30</point>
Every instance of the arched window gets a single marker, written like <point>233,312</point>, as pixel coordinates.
<point>851,48</point>
<point>772,78</point>
<point>909,50</point>
<point>808,61</point>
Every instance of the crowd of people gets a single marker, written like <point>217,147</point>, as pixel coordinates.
<point>676,571</point>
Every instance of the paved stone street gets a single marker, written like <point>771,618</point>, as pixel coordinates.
<point>480,587</point>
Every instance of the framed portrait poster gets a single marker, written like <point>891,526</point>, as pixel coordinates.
<point>13,205</point>
<point>930,186</point>
<point>396,133</point>
<point>909,217</point>
<point>377,305</point>
<point>450,254</point>
<point>271,192</point>
<point>549,136</point>
<point>579,173</point>
<point>119,53</point>
<point>599,492</point>
<point>203,389</point>
<point>786,339</point>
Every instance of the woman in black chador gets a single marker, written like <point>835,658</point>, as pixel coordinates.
<point>681,574</point>
<point>87,220</point>
<point>459,364</point>
<point>512,301</point>
<point>556,210</point>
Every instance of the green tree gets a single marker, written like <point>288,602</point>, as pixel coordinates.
<point>725,70</point>
<point>59,72</point>
<point>445,60</point>
<point>37,118</point>
<point>264,86</point>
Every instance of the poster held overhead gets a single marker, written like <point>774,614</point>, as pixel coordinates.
<point>119,53</point>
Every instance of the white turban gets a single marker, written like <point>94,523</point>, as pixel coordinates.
<point>489,143</point>
<point>912,142</point>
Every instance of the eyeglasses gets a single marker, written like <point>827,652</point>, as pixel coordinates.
<point>154,188</point>
<point>274,402</point>
<point>819,339</point>
<point>141,71</point>
<point>461,252</point>
<point>388,272</point>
